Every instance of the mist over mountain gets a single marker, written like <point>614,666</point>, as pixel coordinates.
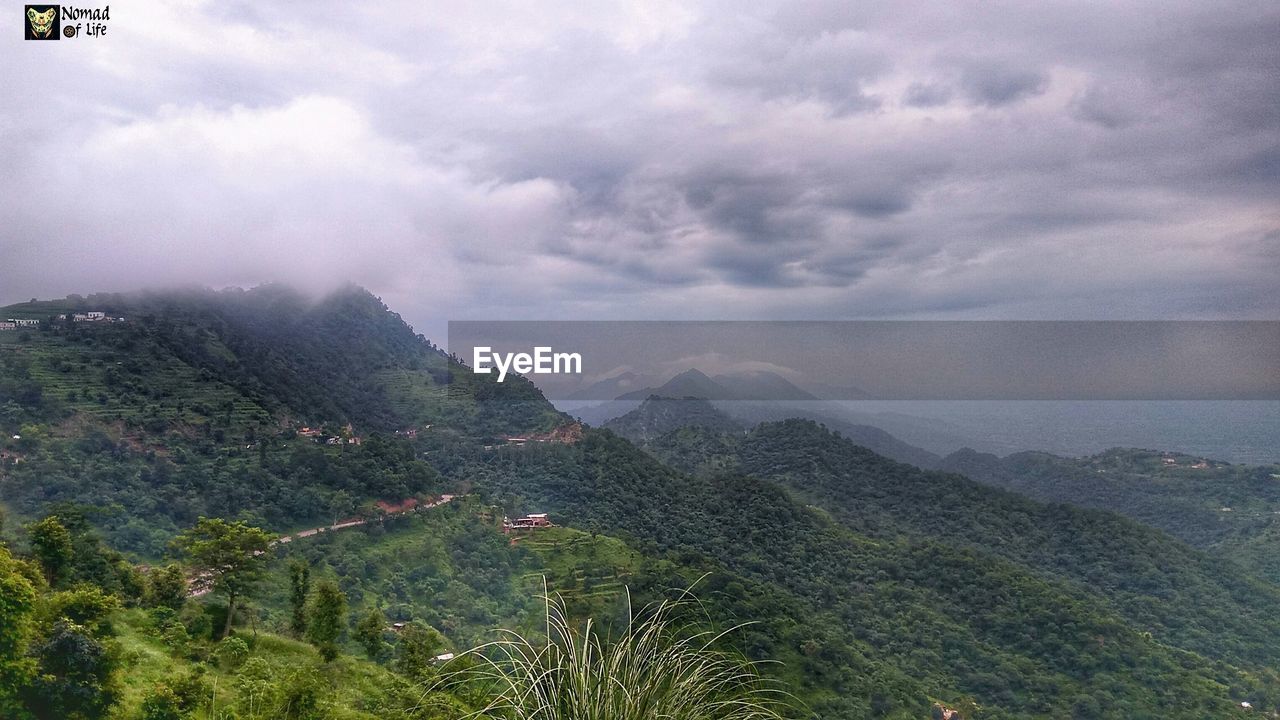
<point>753,385</point>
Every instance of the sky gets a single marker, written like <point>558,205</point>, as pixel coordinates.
<point>655,160</point>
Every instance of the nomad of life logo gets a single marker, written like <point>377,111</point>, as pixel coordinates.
<point>46,22</point>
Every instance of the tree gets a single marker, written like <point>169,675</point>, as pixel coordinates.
<point>175,698</point>
<point>299,588</point>
<point>230,556</point>
<point>369,632</point>
<point>51,544</point>
<point>17,605</point>
<point>166,587</point>
<point>86,605</point>
<point>326,618</point>
<point>340,504</point>
<point>75,678</point>
<point>419,646</point>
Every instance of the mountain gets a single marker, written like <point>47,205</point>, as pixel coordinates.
<point>829,391</point>
<point>883,588</point>
<point>658,416</point>
<point>868,436</point>
<point>754,385</point>
<point>875,496</point>
<point>211,403</point>
<point>609,387</point>
<point>761,385</point>
<point>1230,510</point>
<point>250,360</point>
<point>690,383</point>
<point>892,614</point>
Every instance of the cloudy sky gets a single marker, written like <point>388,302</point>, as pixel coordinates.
<point>601,160</point>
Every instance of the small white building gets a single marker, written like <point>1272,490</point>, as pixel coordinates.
<point>24,322</point>
<point>94,315</point>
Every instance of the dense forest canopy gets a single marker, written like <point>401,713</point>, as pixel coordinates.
<point>145,456</point>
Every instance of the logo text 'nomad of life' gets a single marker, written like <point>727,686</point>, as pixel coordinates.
<point>53,22</point>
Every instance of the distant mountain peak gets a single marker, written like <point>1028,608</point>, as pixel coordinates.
<point>745,385</point>
<point>659,415</point>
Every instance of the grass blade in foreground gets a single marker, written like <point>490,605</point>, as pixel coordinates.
<point>657,669</point>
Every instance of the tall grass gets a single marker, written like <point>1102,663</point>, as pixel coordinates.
<point>657,668</point>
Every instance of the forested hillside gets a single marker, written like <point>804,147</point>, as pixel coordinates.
<point>197,425</point>
<point>259,404</point>
<point>890,622</point>
<point>1230,510</point>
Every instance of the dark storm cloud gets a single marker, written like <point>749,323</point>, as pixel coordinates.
<point>926,95</point>
<point>994,84</point>
<point>803,159</point>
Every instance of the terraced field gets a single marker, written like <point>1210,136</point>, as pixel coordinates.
<point>94,378</point>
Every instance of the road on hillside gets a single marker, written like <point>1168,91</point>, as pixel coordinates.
<point>201,584</point>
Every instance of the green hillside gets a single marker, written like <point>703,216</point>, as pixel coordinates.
<point>1232,511</point>
<point>196,402</point>
<point>892,622</point>
<point>879,589</point>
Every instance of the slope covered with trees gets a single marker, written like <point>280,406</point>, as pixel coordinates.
<point>1232,511</point>
<point>884,590</point>
<point>887,622</point>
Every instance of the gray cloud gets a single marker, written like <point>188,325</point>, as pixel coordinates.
<point>813,159</point>
<point>995,85</point>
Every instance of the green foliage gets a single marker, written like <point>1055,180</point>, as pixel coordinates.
<point>231,556</point>
<point>1182,596</point>
<point>176,697</point>
<point>76,675</point>
<point>166,587</point>
<point>1230,510</point>
<point>326,618</point>
<point>18,599</point>
<point>656,668</point>
<point>901,620</point>
<point>177,413</point>
<point>884,590</point>
<point>299,589</point>
<point>417,650</point>
<point>369,633</point>
<point>51,544</point>
<point>232,652</point>
<point>87,605</point>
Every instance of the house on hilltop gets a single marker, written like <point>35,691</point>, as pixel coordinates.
<point>532,521</point>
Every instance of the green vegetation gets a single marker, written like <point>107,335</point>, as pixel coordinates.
<point>887,625</point>
<point>1232,511</point>
<point>655,668</point>
<point>228,557</point>
<point>192,406</point>
<point>871,589</point>
<point>326,619</point>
